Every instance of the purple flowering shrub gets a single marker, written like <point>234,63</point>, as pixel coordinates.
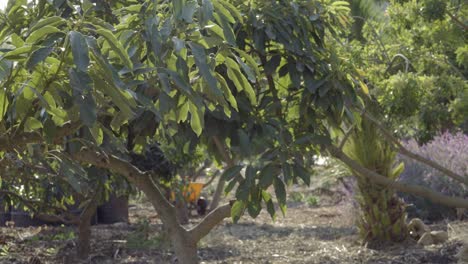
<point>450,151</point>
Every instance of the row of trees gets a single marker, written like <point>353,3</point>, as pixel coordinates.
<point>260,85</point>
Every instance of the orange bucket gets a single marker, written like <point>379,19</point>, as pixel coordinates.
<point>191,192</point>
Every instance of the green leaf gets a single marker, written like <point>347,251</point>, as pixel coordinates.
<point>311,84</point>
<point>16,40</point>
<point>200,60</point>
<point>116,46</point>
<point>196,119</point>
<point>188,10</point>
<point>38,56</point>
<point>397,170</point>
<point>244,143</point>
<point>88,112</point>
<point>80,81</point>
<point>32,124</point>
<point>287,172</point>
<point>280,191</point>
<point>302,173</point>
<point>183,112</point>
<point>271,209</point>
<point>116,95</point>
<point>4,103</point>
<point>250,175</point>
<point>237,210</point>
<point>272,64</point>
<point>254,208</point>
<point>97,133</point>
<point>243,191</point>
<point>14,54</point>
<point>222,11</point>
<point>40,33</point>
<point>49,131</point>
<point>229,187</point>
<point>49,21</point>
<point>267,174</point>
<point>240,81</point>
<point>232,10</point>
<point>228,32</point>
<point>250,61</point>
<point>80,52</point>
<point>231,172</point>
<point>5,69</point>
<point>227,91</point>
<point>250,73</point>
<point>206,11</point>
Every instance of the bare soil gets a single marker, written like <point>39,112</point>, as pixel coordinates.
<point>309,233</point>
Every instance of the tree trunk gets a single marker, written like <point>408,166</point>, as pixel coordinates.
<point>383,216</point>
<point>84,237</point>
<point>84,226</point>
<point>182,211</point>
<point>184,248</point>
<point>184,241</point>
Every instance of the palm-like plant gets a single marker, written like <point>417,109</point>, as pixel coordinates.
<point>382,214</point>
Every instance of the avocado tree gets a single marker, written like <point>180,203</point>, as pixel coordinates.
<point>256,83</point>
<point>70,69</point>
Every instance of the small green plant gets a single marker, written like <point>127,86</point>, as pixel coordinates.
<point>51,251</point>
<point>141,239</point>
<point>297,197</point>
<point>5,250</point>
<point>66,235</point>
<point>312,200</point>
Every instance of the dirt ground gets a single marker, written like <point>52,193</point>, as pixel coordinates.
<point>318,228</point>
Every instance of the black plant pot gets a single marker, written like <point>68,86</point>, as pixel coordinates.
<point>113,211</point>
<point>4,212</point>
<point>24,219</point>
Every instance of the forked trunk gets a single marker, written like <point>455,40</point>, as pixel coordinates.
<point>182,212</point>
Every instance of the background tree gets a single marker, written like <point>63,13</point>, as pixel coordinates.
<point>421,80</point>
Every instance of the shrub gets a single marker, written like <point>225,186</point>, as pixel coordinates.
<point>312,200</point>
<point>450,151</point>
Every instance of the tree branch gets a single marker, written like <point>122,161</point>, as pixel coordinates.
<point>17,141</point>
<point>386,182</point>
<point>209,222</point>
<point>141,180</point>
<point>51,218</point>
<point>415,156</point>
<point>458,22</point>
<point>230,162</point>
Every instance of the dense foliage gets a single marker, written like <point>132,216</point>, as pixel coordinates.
<point>414,57</point>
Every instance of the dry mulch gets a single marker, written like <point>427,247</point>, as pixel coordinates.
<point>306,234</point>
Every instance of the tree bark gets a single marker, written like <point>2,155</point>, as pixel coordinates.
<point>184,241</point>
<point>435,197</point>
<point>84,227</point>
<point>182,211</point>
<point>185,247</point>
<point>10,143</point>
